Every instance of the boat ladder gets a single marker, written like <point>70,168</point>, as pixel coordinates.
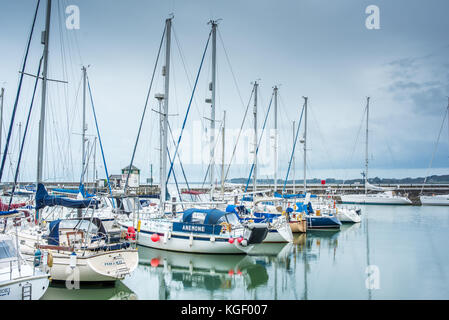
<point>26,291</point>
<point>122,269</point>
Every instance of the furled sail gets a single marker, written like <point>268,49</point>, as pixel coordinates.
<point>43,199</point>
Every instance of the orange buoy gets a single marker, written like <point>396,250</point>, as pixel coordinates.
<point>155,237</point>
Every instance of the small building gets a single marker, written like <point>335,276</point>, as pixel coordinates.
<point>115,180</point>
<point>134,177</point>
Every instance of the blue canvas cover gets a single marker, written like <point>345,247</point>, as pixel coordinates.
<point>43,199</point>
<point>53,236</point>
<point>212,215</point>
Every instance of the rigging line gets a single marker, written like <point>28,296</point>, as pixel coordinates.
<point>355,145</point>
<point>446,113</point>
<point>188,108</point>
<point>99,139</point>
<point>179,157</point>
<point>293,149</point>
<point>260,140</point>
<point>24,135</point>
<point>238,136</point>
<point>174,177</point>
<point>209,165</point>
<point>188,74</point>
<point>144,110</point>
<point>11,124</point>
<point>230,67</point>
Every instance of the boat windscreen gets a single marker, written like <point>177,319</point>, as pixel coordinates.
<point>7,249</point>
<point>232,218</point>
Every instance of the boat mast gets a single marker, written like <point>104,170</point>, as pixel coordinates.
<point>1,117</point>
<point>166,73</point>
<point>255,137</point>
<point>366,146</point>
<point>212,116</point>
<point>305,144</point>
<point>40,147</point>
<point>83,133</point>
<point>275,137</point>
<point>293,159</point>
<point>223,153</point>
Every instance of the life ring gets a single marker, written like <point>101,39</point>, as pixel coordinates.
<point>226,226</point>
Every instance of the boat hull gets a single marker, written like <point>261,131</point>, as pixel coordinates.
<point>440,200</point>
<point>322,222</point>
<point>12,289</point>
<point>362,199</point>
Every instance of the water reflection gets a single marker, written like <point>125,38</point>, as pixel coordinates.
<point>114,291</point>
<point>201,271</point>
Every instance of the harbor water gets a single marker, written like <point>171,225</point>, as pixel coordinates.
<point>396,252</point>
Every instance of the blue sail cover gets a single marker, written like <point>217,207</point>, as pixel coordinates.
<point>7,213</point>
<point>291,196</point>
<point>43,199</point>
<point>75,191</point>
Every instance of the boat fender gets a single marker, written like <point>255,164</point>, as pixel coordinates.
<point>165,237</point>
<point>244,243</point>
<point>191,240</point>
<point>155,237</point>
<point>239,239</point>
<point>37,258</point>
<point>231,240</point>
<point>50,260</point>
<point>212,239</point>
<point>73,260</point>
<point>131,234</point>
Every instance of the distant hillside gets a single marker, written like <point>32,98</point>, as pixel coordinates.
<point>443,179</point>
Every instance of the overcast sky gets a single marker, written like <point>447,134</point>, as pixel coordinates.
<point>314,48</point>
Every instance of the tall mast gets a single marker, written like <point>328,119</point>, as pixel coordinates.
<point>20,143</point>
<point>366,145</point>
<point>163,186</point>
<point>223,152</point>
<point>275,137</point>
<point>305,144</point>
<point>255,136</point>
<point>40,146</point>
<point>83,133</point>
<point>293,158</point>
<point>1,117</point>
<point>212,115</point>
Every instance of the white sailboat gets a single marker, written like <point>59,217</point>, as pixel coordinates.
<point>19,280</point>
<point>436,199</point>
<point>388,196</point>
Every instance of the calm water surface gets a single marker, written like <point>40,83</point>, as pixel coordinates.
<point>407,245</point>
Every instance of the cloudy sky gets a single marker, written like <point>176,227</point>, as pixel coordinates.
<point>314,48</point>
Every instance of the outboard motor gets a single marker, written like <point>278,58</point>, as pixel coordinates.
<point>256,232</point>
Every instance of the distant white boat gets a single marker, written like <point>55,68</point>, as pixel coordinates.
<point>387,197</point>
<point>435,200</point>
<point>439,199</point>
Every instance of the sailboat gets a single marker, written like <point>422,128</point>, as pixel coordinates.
<point>197,229</point>
<point>20,279</point>
<point>81,248</point>
<point>436,199</point>
<point>387,196</point>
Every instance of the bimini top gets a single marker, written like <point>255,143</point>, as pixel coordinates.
<point>211,216</point>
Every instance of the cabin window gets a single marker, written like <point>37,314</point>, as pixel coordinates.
<point>198,217</point>
<point>232,218</point>
<point>7,249</point>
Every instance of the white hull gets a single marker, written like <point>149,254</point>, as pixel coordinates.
<point>439,200</point>
<point>13,289</point>
<point>374,199</point>
<point>100,266</point>
<point>103,266</point>
<point>195,243</point>
<point>347,215</point>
